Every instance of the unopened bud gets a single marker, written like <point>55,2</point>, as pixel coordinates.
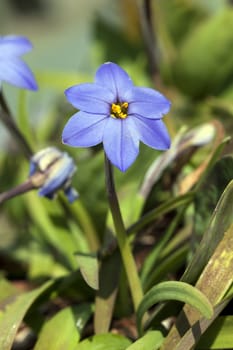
<point>52,170</point>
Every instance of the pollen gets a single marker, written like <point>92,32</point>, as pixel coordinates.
<point>119,110</point>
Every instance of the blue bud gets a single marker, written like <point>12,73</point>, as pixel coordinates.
<point>58,169</point>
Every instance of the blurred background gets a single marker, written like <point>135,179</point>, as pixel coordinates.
<point>71,34</point>
<point>185,45</point>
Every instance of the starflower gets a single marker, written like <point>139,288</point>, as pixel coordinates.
<point>52,170</point>
<point>12,69</point>
<point>116,113</point>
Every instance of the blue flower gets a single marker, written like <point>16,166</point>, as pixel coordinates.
<point>118,114</point>
<point>12,69</point>
<point>52,170</point>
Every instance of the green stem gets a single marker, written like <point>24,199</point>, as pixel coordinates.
<point>122,239</point>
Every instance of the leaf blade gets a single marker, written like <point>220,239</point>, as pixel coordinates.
<point>13,312</point>
<point>173,290</point>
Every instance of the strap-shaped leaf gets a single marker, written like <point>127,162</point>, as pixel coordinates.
<point>71,320</point>
<point>188,340</point>
<point>89,268</point>
<point>219,335</point>
<point>222,217</point>
<point>214,282</point>
<point>150,341</point>
<point>106,295</point>
<point>173,290</point>
<point>104,342</point>
<point>12,312</point>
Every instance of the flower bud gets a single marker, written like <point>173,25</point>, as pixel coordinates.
<point>52,170</point>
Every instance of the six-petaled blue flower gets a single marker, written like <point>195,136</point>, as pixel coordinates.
<point>120,115</point>
<point>57,169</point>
<point>12,69</point>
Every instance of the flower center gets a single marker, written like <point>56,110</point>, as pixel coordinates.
<point>119,110</point>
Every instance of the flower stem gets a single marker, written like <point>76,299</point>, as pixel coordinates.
<point>145,18</point>
<point>123,241</point>
<point>25,187</point>
<point>8,120</point>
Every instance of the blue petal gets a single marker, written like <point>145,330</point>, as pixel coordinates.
<point>121,142</point>
<point>49,195</point>
<point>16,72</point>
<point>33,168</point>
<point>152,132</point>
<point>147,103</point>
<point>71,194</point>
<point>14,46</point>
<point>114,78</point>
<point>59,174</point>
<point>84,130</point>
<point>45,157</point>
<point>90,98</point>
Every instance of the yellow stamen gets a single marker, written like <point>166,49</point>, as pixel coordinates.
<point>119,110</point>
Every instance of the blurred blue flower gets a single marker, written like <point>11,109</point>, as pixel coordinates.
<point>57,169</point>
<point>12,69</point>
<point>115,112</point>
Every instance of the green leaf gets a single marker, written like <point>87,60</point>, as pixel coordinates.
<point>210,191</point>
<point>218,335</point>
<point>63,330</point>
<point>161,210</point>
<point>214,157</point>
<point>215,281</point>
<point>173,290</point>
<point>217,278</point>
<point>167,265</point>
<point>89,268</point>
<point>190,338</point>
<point>12,313</point>
<point>104,342</point>
<point>150,341</point>
<point>165,248</point>
<point>221,220</point>
<point>106,295</point>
